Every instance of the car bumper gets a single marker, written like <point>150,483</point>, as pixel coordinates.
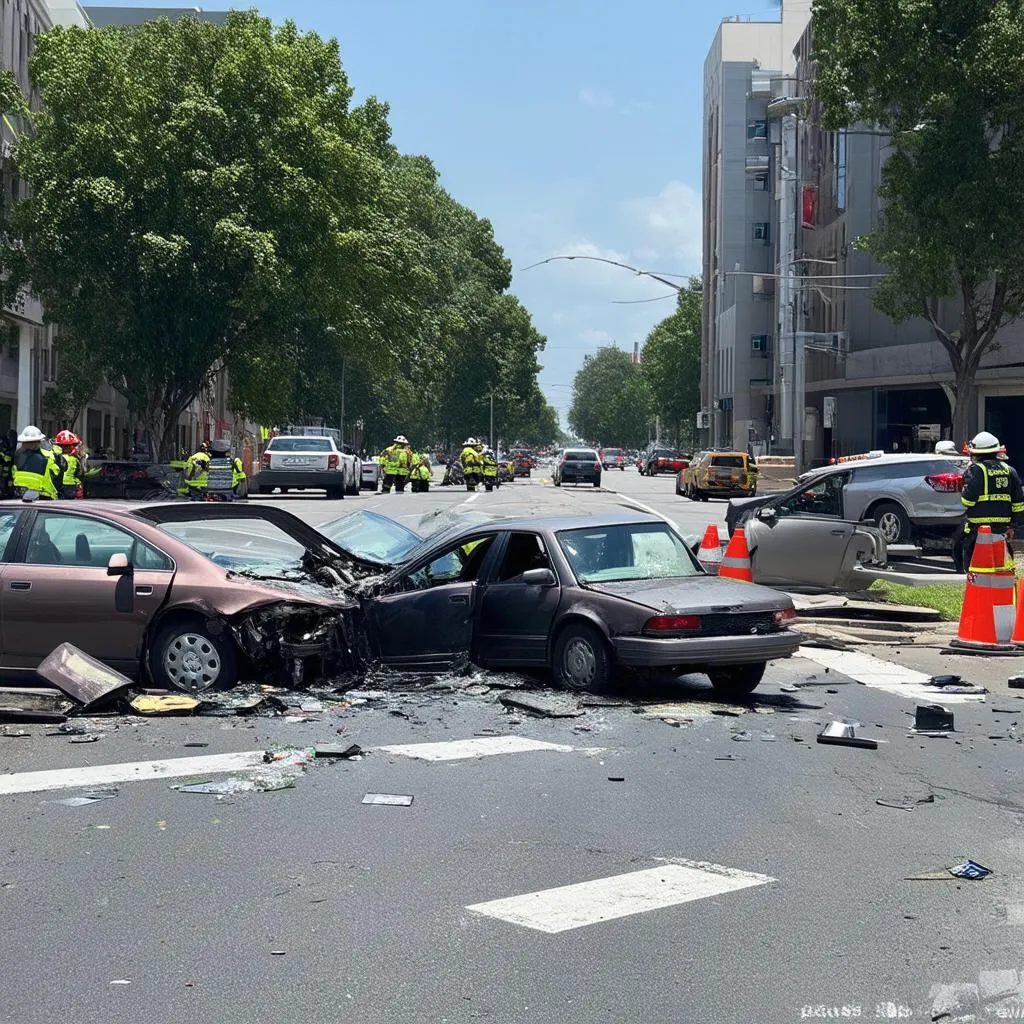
<point>727,491</point>
<point>949,522</point>
<point>301,478</point>
<point>651,652</point>
<point>584,478</point>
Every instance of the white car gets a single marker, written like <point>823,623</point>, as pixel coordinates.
<point>370,474</point>
<point>308,463</point>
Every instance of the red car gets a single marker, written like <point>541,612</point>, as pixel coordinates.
<point>613,458</point>
<point>665,460</point>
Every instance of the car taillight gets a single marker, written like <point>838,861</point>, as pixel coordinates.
<point>265,458</point>
<point>672,623</point>
<point>597,466</point>
<point>784,617</point>
<point>945,482</point>
<point>332,461</point>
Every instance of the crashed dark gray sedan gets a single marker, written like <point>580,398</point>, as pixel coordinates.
<point>582,596</point>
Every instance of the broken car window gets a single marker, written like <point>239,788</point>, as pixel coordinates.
<point>460,564</point>
<point>634,551</point>
<point>824,498</point>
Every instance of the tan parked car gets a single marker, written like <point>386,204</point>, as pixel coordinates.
<point>719,475</point>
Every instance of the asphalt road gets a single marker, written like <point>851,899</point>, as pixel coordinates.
<point>731,880</point>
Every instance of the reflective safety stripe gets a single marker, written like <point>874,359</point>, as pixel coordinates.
<point>992,579</point>
<point>736,563</point>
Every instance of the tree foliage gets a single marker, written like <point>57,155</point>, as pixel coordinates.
<point>612,403</point>
<point>671,365</point>
<point>945,78</point>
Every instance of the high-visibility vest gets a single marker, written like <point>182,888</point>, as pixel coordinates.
<point>991,495</point>
<point>237,472</point>
<point>36,470</point>
<point>490,465</point>
<point>71,471</point>
<point>196,470</point>
<point>394,460</point>
<point>471,459</point>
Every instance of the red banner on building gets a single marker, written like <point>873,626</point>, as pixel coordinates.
<point>808,206</point>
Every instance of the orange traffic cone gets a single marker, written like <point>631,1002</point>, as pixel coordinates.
<point>736,564</point>
<point>710,554</point>
<point>986,620</point>
<point>1017,637</point>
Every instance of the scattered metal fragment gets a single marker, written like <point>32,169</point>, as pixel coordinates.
<point>477,690</point>
<point>843,734</point>
<point>88,737</point>
<point>277,952</point>
<point>543,704</point>
<point>1006,711</point>
<point>788,688</point>
<point>15,733</point>
<point>101,794</point>
<point>907,803</point>
<point>196,743</point>
<point>727,712</point>
<point>947,680</point>
<point>616,778</point>
<point>970,869</point>
<point>226,787</point>
<point>75,801</point>
<point>742,737</point>
<point>933,718</point>
<point>1015,682</point>
<point>82,677</point>
<point>337,750</point>
<point>768,737</point>
<point>69,729</point>
<point>387,799</point>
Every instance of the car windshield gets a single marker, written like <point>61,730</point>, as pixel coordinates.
<point>240,544</point>
<point>728,461</point>
<point>631,551</point>
<point>581,456</point>
<point>372,537</point>
<point>300,444</point>
<point>613,453</point>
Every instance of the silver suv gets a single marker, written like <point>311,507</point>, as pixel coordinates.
<point>911,498</point>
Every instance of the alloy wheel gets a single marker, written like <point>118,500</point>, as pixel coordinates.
<point>192,662</point>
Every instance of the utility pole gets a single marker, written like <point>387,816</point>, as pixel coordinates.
<point>491,435</point>
<point>343,367</point>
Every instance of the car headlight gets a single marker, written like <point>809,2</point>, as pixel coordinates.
<point>785,616</point>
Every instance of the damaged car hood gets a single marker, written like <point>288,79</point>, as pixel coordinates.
<point>694,594</point>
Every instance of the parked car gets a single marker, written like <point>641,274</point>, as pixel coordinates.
<point>577,465</point>
<point>369,474</point>
<point>908,497</point>
<point>718,475</point>
<point>582,596</point>
<point>523,463</point>
<point>183,595</point>
<point>663,460</point>
<point>302,463</point>
<point>613,458</point>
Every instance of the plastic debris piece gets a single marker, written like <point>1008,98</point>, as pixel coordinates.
<point>75,801</point>
<point>843,734</point>
<point>1015,682</point>
<point>225,787</point>
<point>120,981</point>
<point>742,737</point>
<point>101,794</point>
<point>15,733</point>
<point>337,750</point>
<point>388,799</point>
<point>543,704</point>
<point>788,688</point>
<point>970,869</point>
<point>947,680</point>
<point>83,678</point>
<point>171,704</point>
<point>933,718</point>
<point>277,952</point>
<point>768,737</point>
<point>907,803</point>
<point>616,778</point>
<point>88,737</point>
<point>69,729</point>
<point>196,744</point>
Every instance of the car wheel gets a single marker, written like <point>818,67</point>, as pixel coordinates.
<point>352,491</point>
<point>679,490</point>
<point>335,493</point>
<point>185,656</point>
<point>557,483</point>
<point>582,660</point>
<point>893,522</point>
<point>737,680</point>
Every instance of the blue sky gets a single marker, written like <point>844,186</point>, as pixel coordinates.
<point>574,125</point>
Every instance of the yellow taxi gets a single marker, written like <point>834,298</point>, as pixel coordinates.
<point>718,475</point>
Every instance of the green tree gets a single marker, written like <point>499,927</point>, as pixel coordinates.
<point>671,365</point>
<point>205,197</point>
<point>945,79</point>
<point>79,375</point>
<point>612,403</point>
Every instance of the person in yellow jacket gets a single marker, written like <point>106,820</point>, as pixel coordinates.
<point>239,483</point>
<point>421,473</point>
<point>69,444</point>
<point>395,465</point>
<point>197,469</point>
<point>472,463</point>
<point>490,469</point>
<point>35,469</point>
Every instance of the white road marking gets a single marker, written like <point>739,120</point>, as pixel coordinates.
<point>605,899</point>
<point>884,675</point>
<point>105,774</point>
<point>471,498</point>
<point>480,746</point>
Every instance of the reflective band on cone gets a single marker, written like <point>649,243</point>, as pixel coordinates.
<point>736,564</point>
<point>987,618</point>
<point>710,553</point>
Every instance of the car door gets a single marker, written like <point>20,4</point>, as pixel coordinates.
<point>57,589</point>
<point>516,616</point>
<point>801,538</point>
<point>423,621</point>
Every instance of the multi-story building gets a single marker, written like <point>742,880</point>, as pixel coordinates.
<point>737,346</point>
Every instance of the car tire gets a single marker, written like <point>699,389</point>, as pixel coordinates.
<point>352,491</point>
<point>557,483</point>
<point>187,657</point>
<point>335,493</point>
<point>737,680</point>
<point>679,490</point>
<point>582,660</point>
<point>892,520</point>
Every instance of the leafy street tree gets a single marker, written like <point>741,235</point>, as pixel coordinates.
<point>670,364</point>
<point>946,80</point>
<point>205,196</point>
<point>612,403</point>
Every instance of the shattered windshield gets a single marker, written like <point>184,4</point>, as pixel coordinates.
<point>373,537</point>
<point>632,551</point>
<point>242,545</point>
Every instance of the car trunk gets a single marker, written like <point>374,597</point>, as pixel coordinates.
<point>312,461</point>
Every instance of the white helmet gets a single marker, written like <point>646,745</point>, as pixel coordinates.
<point>31,434</point>
<point>984,444</point>
<point>401,439</point>
<point>946,448</point>
<point>471,441</point>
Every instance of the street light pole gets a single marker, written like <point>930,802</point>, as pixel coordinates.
<point>491,437</point>
<point>343,368</point>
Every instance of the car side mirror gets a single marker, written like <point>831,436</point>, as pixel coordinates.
<point>768,513</point>
<point>119,565</point>
<point>539,578</point>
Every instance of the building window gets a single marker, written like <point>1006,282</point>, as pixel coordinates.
<point>759,182</point>
<point>760,343</point>
<point>757,129</point>
<point>762,230</point>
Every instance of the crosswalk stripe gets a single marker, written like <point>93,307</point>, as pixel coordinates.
<point>566,907</point>
<point>883,675</point>
<point>480,746</point>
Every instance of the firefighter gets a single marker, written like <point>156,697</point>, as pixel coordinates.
<point>197,468</point>
<point>946,448</point>
<point>396,464</point>
<point>239,483</point>
<point>992,495</point>
<point>490,469</point>
<point>69,445</point>
<point>220,472</point>
<point>36,468</point>
<point>421,473</point>
<point>472,463</point>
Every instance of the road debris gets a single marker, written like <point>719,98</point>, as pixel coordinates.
<point>15,733</point>
<point>169,704</point>
<point>788,688</point>
<point>1015,682</point>
<point>388,799</point>
<point>616,778</point>
<point>546,705</point>
<point>88,737</point>
<point>742,736</point>
<point>19,704</point>
<point>85,679</point>
<point>907,803</point>
<point>843,734</point>
<point>338,751</point>
<point>69,729</point>
<point>932,718</point>
<point>970,869</point>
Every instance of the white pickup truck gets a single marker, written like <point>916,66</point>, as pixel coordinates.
<point>308,463</point>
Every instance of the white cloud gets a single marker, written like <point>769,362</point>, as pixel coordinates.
<point>672,224</point>
<point>599,99</point>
